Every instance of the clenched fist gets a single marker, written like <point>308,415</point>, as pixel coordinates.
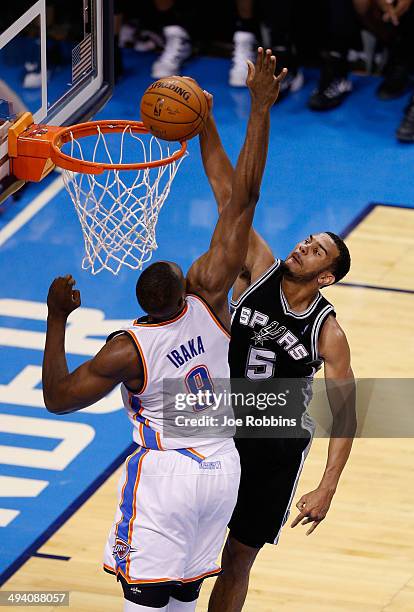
<point>62,299</point>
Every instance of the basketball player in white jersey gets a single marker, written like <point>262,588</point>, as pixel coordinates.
<point>176,498</point>
<point>282,328</point>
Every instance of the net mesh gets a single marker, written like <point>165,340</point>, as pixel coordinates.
<point>118,210</point>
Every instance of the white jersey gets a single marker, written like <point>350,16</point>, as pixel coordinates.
<point>174,505</point>
<point>181,355</point>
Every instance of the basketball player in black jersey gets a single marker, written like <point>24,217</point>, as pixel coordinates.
<point>162,292</point>
<point>282,327</point>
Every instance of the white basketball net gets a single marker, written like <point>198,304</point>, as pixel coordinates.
<point>118,210</point>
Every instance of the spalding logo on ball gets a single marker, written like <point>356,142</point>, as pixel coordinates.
<point>174,108</point>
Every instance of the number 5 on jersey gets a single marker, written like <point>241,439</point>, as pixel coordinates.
<point>260,364</point>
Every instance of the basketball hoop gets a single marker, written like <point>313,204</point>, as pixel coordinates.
<point>116,198</point>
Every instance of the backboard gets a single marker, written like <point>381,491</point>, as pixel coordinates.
<point>56,61</point>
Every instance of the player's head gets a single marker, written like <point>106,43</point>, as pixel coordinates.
<point>161,289</point>
<point>321,257</point>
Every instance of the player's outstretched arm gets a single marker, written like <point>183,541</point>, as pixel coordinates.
<point>340,386</point>
<point>214,273</point>
<point>220,172</point>
<point>116,362</point>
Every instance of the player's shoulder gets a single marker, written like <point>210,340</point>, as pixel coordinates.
<point>119,358</point>
<point>247,282</point>
<point>219,317</point>
<point>332,335</point>
<point>260,256</point>
<point>262,267</point>
<point>121,342</point>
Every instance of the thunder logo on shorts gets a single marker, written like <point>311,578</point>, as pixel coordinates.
<point>122,546</point>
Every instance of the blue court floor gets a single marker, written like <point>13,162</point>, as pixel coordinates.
<point>322,171</point>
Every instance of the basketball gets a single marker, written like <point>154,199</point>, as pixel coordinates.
<point>174,108</point>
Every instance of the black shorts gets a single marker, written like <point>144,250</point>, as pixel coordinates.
<point>158,595</point>
<point>270,470</point>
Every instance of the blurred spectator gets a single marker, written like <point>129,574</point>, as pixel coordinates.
<point>64,23</point>
<point>334,85</point>
<point>393,24</point>
<point>139,27</point>
<point>244,42</point>
<point>176,31</point>
<point>118,15</point>
<point>278,18</point>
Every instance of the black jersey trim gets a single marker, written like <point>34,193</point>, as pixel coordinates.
<point>116,333</point>
<point>297,315</point>
<point>257,283</point>
<point>320,319</point>
<point>126,332</point>
<point>161,323</point>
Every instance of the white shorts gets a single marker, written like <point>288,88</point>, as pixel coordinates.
<point>172,517</point>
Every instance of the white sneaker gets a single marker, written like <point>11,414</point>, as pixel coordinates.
<point>292,82</point>
<point>244,49</point>
<point>147,40</point>
<point>177,49</point>
<point>127,35</point>
<point>33,77</point>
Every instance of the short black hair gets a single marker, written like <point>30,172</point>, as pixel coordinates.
<point>342,262</point>
<point>159,287</point>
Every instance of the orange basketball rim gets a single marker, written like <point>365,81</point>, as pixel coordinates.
<point>118,211</point>
<point>34,150</point>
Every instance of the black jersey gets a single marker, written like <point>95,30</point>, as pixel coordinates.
<point>269,341</point>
